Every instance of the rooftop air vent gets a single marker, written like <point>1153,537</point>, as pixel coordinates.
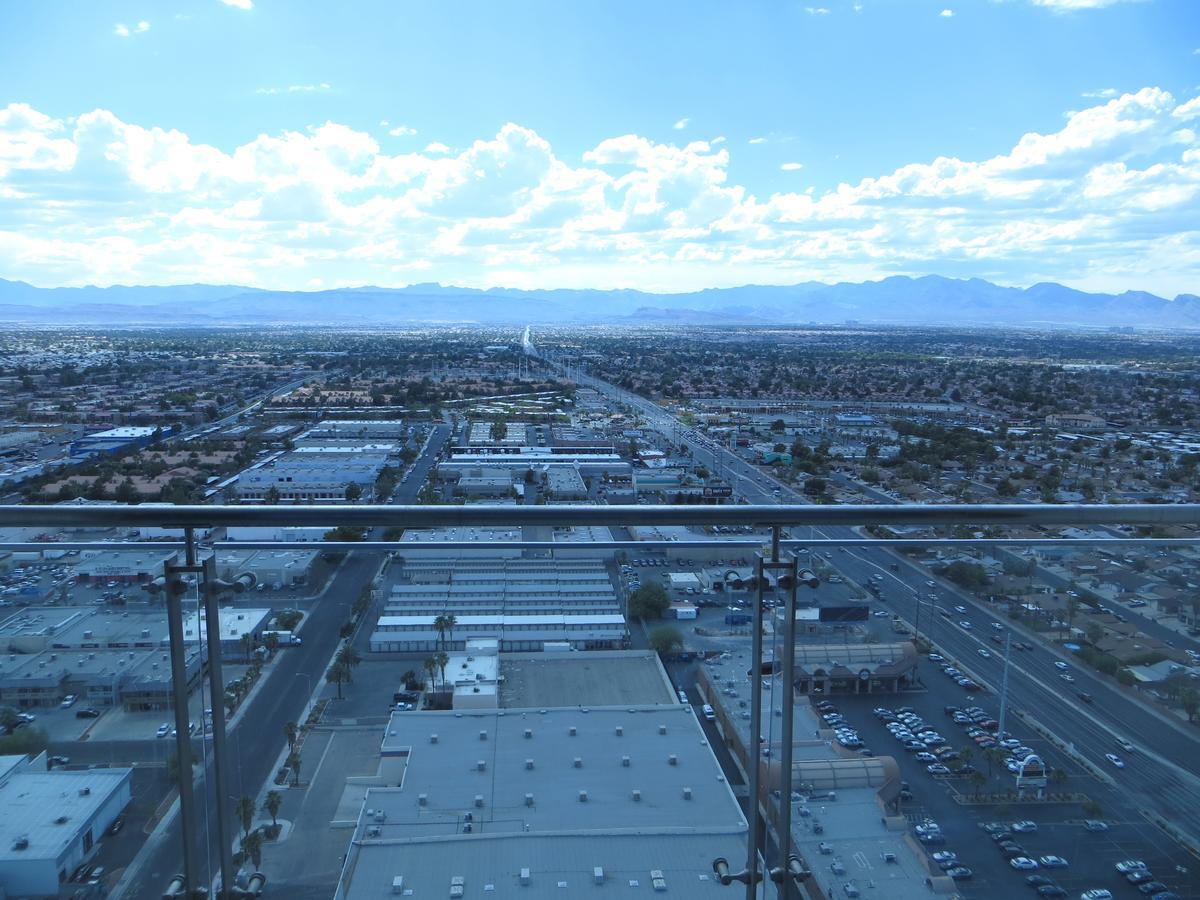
<point>433,739</point>
<point>374,831</point>
<point>662,729</point>
<point>637,795</point>
<point>479,801</point>
<point>620,730</point>
<point>571,731</point>
<point>583,796</point>
<point>483,735</point>
<point>481,765</point>
<point>525,877</point>
<point>529,764</point>
<point>422,799</point>
<point>21,843</point>
<point>625,761</point>
<point>528,733</point>
<point>529,799</point>
<point>85,792</point>
<point>598,875</point>
<point>687,793</point>
<point>672,760</point>
<point>579,762</point>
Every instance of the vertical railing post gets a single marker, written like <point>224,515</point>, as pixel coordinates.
<point>216,690</point>
<point>183,743</point>
<point>789,701</point>
<point>755,723</point>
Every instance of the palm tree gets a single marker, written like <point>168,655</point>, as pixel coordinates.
<point>442,661</point>
<point>440,626</point>
<point>430,666</point>
<point>451,622</point>
<point>271,641</point>
<point>252,848</point>
<point>977,781</point>
<point>339,674</point>
<point>272,803</point>
<point>245,812</point>
<point>247,641</point>
<point>293,763</point>
<point>349,656</point>
<point>291,731</point>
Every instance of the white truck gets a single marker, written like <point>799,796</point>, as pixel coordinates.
<point>285,638</point>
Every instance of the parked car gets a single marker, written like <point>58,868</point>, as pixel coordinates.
<point>88,712</point>
<point>68,701</point>
<point>1023,863</point>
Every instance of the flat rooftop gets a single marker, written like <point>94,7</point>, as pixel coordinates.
<point>34,800</point>
<point>508,827</point>
<point>585,678</point>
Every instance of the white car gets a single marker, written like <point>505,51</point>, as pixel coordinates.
<point>708,712</point>
<point>1023,863</point>
<point>1060,665</point>
<point>960,609</point>
<point>1130,865</point>
<point>1052,862</point>
<point>163,730</point>
<point>67,701</point>
<point>964,625</point>
<point>1115,760</point>
<point>1096,894</point>
<point>984,653</point>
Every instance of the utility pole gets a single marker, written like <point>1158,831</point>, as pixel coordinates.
<point>1004,682</point>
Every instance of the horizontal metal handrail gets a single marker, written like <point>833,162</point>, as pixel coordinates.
<point>64,515</point>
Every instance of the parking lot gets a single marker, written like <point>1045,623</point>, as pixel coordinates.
<point>1091,855</point>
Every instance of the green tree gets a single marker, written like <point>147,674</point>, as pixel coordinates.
<point>1092,808</point>
<point>294,763</point>
<point>440,626</point>
<point>247,642</point>
<point>665,639</point>
<point>272,803</point>
<point>272,495</point>
<point>252,847</point>
<point>173,767</point>
<point>442,661</point>
<point>339,674</point>
<point>346,533</point>
<point>353,492</point>
<point>1189,699</point>
<point>649,601</point>
<point>271,641</point>
<point>349,656</point>
<point>430,666</point>
<point>245,812</point>
<point>288,619</point>
<point>291,731</point>
<point>27,740</point>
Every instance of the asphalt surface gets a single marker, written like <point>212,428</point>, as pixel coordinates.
<point>1159,777</point>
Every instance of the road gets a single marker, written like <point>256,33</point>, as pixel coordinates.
<point>1159,777</point>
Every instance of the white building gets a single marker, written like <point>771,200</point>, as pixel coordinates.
<point>52,821</point>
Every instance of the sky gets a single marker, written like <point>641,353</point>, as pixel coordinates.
<point>666,146</point>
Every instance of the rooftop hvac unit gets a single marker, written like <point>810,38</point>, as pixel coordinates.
<point>637,795</point>
<point>579,762</point>
<point>525,877</point>
<point>374,831</point>
<point>398,884</point>
<point>672,760</point>
<point>433,739</point>
<point>529,799</point>
<point>528,732</point>
<point>85,792</point>
<point>687,793</point>
<point>657,880</point>
<point>478,800</point>
<point>529,764</point>
<point>583,796</point>
<point>483,735</point>
<point>598,875</point>
<point>620,730</point>
<point>380,816</point>
<point>481,765</point>
<point>625,761</point>
<point>571,731</point>
<point>422,799</point>
<point>662,729</point>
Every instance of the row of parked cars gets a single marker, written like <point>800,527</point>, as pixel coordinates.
<point>921,739</point>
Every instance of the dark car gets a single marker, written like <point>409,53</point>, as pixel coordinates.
<point>1085,697</point>
<point>1153,887</point>
<point>1037,881</point>
<point>1141,876</point>
<point>87,712</point>
<point>116,826</point>
<point>1051,890</point>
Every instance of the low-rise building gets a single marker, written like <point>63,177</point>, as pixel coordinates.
<point>52,821</point>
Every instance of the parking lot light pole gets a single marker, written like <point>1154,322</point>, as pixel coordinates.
<point>1004,683</point>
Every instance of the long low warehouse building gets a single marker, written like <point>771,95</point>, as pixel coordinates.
<point>416,634</point>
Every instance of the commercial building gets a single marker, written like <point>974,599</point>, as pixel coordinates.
<point>52,821</point>
<point>271,568</point>
<point>544,803</point>
<point>122,566</point>
<point>855,842</point>
<point>233,623</point>
<point>321,474</point>
<point>350,431</point>
<point>115,440</point>
<point>589,461</point>
<point>416,634</point>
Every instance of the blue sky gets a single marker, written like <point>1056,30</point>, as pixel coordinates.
<point>666,146</point>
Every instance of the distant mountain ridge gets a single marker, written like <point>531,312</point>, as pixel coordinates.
<point>898,300</point>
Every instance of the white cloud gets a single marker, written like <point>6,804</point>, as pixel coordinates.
<point>401,131</point>
<point>1067,5</point>
<point>757,140</point>
<point>1109,200</point>
<point>816,10</point>
<point>947,14</point>
<point>121,30</point>
<point>294,89</point>
<point>1101,94</point>
<point>239,4</point>
<point>681,124</point>
<point>792,167</point>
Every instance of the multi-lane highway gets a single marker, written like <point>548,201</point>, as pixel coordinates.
<point>1160,776</point>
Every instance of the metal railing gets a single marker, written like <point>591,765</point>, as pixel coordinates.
<point>774,518</point>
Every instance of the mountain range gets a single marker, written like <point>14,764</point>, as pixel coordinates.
<point>898,300</point>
